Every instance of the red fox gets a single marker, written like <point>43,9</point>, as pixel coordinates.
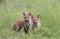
<point>23,23</point>
<point>35,22</point>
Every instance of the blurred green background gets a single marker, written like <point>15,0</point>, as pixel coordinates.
<point>49,11</point>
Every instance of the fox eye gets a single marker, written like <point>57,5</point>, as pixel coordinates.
<point>24,17</point>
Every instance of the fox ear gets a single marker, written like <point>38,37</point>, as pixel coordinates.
<point>30,14</point>
<point>23,13</point>
<point>37,16</point>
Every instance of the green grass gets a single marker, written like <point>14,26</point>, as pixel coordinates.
<point>49,11</point>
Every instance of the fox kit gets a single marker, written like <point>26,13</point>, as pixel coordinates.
<point>35,22</point>
<point>23,23</point>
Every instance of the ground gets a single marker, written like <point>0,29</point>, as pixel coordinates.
<point>49,11</point>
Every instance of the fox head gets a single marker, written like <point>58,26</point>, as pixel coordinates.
<point>27,17</point>
<point>36,21</point>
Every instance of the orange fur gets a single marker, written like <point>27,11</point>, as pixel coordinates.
<point>35,22</point>
<point>22,23</point>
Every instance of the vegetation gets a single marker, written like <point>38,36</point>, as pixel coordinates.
<point>49,11</point>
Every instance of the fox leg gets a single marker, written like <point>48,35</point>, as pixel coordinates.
<point>33,28</point>
<point>20,28</point>
<point>16,27</point>
<point>25,30</point>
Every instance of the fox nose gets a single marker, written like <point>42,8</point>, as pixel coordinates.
<point>35,22</point>
<point>27,21</point>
